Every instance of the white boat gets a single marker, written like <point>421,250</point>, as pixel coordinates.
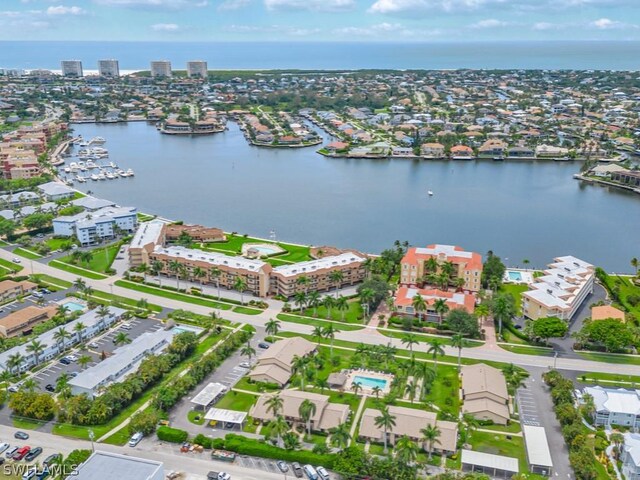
<point>110,176</point>
<point>94,177</point>
<point>97,140</point>
<point>113,165</point>
<point>130,173</point>
<point>91,164</point>
<point>67,170</point>
<point>81,179</point>
<point>101,176</point>
<point>122,173</point>
<point>430,193</point>
<point>83,143</point>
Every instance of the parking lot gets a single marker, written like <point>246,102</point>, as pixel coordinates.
<point>17,468</point>
<point>527,407</point>
<point>103,343</point>
<point>264,464</point>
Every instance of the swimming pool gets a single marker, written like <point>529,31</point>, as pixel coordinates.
<point>369,382</point>
<point>514,276</point>
<point>263,249</point>
<point>74,307</point>
<point>186,328</point>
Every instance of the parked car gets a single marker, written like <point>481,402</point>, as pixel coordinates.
<point>72,358</point>
<point>40,235</point>
<point>21,453</point>
<point>3,447</point>
<point>263,345</point>
<point>73,374</point>
<point>33,453</point>
<point>20,435</point>
<point>50,388</point>
<point>245,365</point>
<point>13,388</point>
<point>38,294</point>
<point>65,361</point>
<point>297,469</point>
<point>30,474</point>
<point>45,291</point>
<point>135,439</point>
<point>126,326</point>
<point>311,472</point>
<point>16,260</point>
<point>322,473</point>
<point>284,468</point>
<point>218,476</point>
<point>11,451</point>
<point>93,345</point>
<point>54,457</point>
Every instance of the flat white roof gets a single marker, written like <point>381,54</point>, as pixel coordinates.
<point>208,393</point>
<point>211,257</point>
<point>489,460</point>
<point>535,440</point>
<point>222,415</point>
<point>107,466</point>
<point>448,250</point>
<point>320,264</point>
<point>148,232</point>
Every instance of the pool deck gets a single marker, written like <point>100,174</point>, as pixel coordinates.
<point>526,276</point>
<point>366,390</point>
<point>265,249</point>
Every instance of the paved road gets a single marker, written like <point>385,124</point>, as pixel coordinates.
<point>370,336</point>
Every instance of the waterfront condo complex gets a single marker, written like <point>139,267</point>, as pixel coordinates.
<point>109,68</point>
<point>72,68</point>
<point>421,262</point>
<point>160,68</point>
<point>561,289</point>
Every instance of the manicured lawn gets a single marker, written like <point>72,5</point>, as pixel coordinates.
<point>285,317</point>
<point>445,388</point>
<point>101,259</point>
<point>515,290</point>
<point>76,271</point>
<point>244,384</point>
<point>499,445</point>
<point>609,379</point>
<point>233,246</point>
<point>98,295</point>
<point>610,357</point>
<point>353,315</point>
<point>26,423</point>
<point>173,295</point>
<point>239,401</point>
<point>425,337</point>
<point>121,437</point>
<point>12,267</point>
<point>625,289</point>
<point>196,418</point>
<point>56,282</point>
<point>247,311</point>
<point>513,427</point>
<point>56,243</point>
<point>143,217</point>
<point>23,252</point>
<point>528,350</point>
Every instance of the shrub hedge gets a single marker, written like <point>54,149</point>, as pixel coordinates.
<point>172,435</point>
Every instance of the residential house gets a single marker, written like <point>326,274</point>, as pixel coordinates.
<point>275,363</point>
<point>484,393</point>
<point>615,406</point>
<point>10,290</point>
<point>22,321</point>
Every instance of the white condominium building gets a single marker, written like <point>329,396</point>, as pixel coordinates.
<point>560,291</point>
<point>197,68</point>
<point>109,68</point>
<point>91,227</point>
<point>161,68</point>
<point>71,68</point>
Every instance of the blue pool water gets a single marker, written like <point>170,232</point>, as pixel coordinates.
<point>74,307</point>
<point>515,276</point>
<point>266,250</point>
<point>369,382</point>
<point>185,328</point>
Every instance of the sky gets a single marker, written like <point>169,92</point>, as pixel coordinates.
<point>319,20</point>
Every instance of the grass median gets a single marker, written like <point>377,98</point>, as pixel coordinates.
<point>181,297</point>
<point>24,253</point>
<point>76,270</point>
<point>314,322</point>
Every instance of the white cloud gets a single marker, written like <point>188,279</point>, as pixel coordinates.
<point>277,29</point>
<point>165,27</point>
<point>63,10</point>
<point>490,23</point>
<point>546,26</point>
<point>158,4</point>
<point>606,24</point>
<point>314,5</point>
<point>233,4</point>
<point>412,6</point>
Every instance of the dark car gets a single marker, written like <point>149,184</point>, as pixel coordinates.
<point>284,468</point>
<point>50,388</point>
<point>263,345</point>
<point>21,435</point>
<point>1,460</point>
<point>297,469</point>
<point>65,361</point>
<point>33,453</point>
<point>55,457</point>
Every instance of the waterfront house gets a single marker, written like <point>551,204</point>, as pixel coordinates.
<point>462,152</point>
<point>630,178</point>
<point>432,150</point>
<point>492,148</point>
<point>551,152</point>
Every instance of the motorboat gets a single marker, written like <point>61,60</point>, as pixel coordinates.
<point>130,173</point>
<point>97,141</point>
<point>94,177</point>
<point>430,193</point>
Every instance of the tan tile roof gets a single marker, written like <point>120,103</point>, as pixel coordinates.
<point>486,405</point>
<point>481,378</point>
<point>275,373</point>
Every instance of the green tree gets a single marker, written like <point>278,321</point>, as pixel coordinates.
<point>272,327</point>
<point>36,347</point>
<point>461,321</point>
<point>492,271</point>
<point>440,306</point>
<point>248,351</point>
<point>410,339</point>
<point>458,341</point>
<point>339,436</point>
<point>435,349</point>
<point>406,450</point>
<point>121,338</point>
<point>386,422</point>
<point>419,305</point>
<point>306,411</point>
<point>549,327</point>
<point>240,285</point>
<point>431,436</point>
<point>503,308</point>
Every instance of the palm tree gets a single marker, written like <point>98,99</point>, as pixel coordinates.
<point>300,299</point>
<point>63,381</point>
<point>278,427</point>
<point>78,328</point>
<point>427,374</point>
<point>248,350</point>
<point>299,365</point>
<point>144,268</point>
<point>356,387</point>
<point>342,304</point>
<point>85,360</point>
<point>80,284</point>
<point>62,312</point>
<point>410,390</point>
<point>103,312</point>
<point>5,378</point>
<point>430,435</point>
<point>503,308</point>
<point>329,332</point>
<point>419,305</point>
<point>525,262</point>
<point>307,410</point>
<point>272,327</point>
<point>199,273</point>
<point>328,302</point>
<point>366,297</point>
<point>441,307</point>
<point>14,362</point>
<point>216,273</point>
<point>303,281</point>
<point>336,278</point>
<point>410,339</point>
<point>174,267</point>
<point>635,264</point>
<point>376,390</point>
<point>317,333</point>
<point>588,403</point>
<point>431,265</point>
<point>61,336</point>
<point>241,286</point>
<point>435,349</point>
<point>156,268</point>
<point>340,437</point>
<point>36,347</point>
<point>274,404</point>
<point>322,384</point>
<point>406,450</point>
<point>386,421</point>
<point>29,385</point>
<point>313,300</point>
<point>458,341</point>
<point>121,338</point>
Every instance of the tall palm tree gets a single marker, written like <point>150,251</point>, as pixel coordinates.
<point>303,281</point>
<point>80,284</point>
<point>78,328</point>
<point>339,436</point>
<point>5,378</point>
<point>85,360</point>
<point>121,338</point>
<point>62,311</point>
<point>313,300</point>
<point>274,404</point>
<point>329,332</point>
<point>317,333</point>
<point>216,273</point>
<point>410,339</point>
<point>431,436</point>
<point>503,308</point>
<point>635,264</point>
<point>174,267</point>
<point>278,427</point>
<point>328,303</point>
<point>248,350</point>
<point>14,362</point>
<point>435,349</point>
<point>411,389</point>
<point>36,347</point>
<point>406,450</point>
<point>241,285</point>
<point>458,341</point>
<point>366,297</point>
<point>356,387</point>
<point>342,304</point>
<point>272,327</point>
<point>103,312</point>
<point>144,268</point>
<point>156,268</point>
<point>199,273</point>
<point>440,306</point>
<point>29,385</point>
<point>336,278</point>
<point>469,424</point>
<point>431,265</point>
<point>376,390</point>
<point>307,410</point>
<point>300,299</point>
<point>299,365</point>
<point>61,336</point>
<point>423,371</point>
<point>386,421</point>
<point>419,305</point>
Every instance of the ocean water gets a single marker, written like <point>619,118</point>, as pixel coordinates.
<point>603,55</point>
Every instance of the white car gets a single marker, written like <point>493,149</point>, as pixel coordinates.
<point>93,345</point>
<point>245,365</point>
<point>126,326</point>
<point>16,260</point>
<point>72,358</point>
<point>3,447</point>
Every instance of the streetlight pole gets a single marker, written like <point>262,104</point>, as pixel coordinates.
<point>111,288</point>
<point>92,436</point>
<point>555,359</point>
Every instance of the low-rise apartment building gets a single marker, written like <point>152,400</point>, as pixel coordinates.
<point>409,422</point>
<point>10,290</point>
<point>107,466</point>
<point>615,406</point>
<point>560,291</point>
<point>284,279</point>
<point>148,235</point>
<point>404,297</point>
<point>91,228</point>
<point>275,364</point>
<point>630,456</point>
<point>198,233</point>
<point>22,321</point>
<point>484,393</point>
<point>93,324</point>
<point>326,416</point>
<point>418,262</point>
<point>54,191</point>
<point>123,361</point>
